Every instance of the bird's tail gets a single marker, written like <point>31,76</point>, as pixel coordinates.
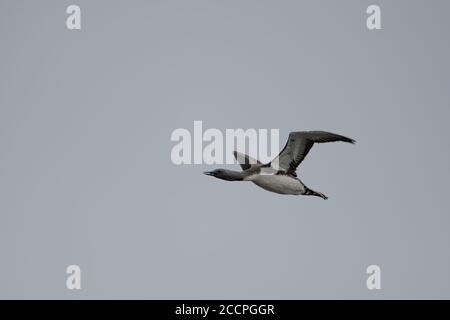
<point>310,192</point>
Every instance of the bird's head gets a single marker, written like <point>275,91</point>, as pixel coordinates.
<point>224,174</point>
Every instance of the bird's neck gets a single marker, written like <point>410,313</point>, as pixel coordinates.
<point>232,175</point>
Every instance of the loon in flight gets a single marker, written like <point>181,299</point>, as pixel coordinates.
<point>280,175</point>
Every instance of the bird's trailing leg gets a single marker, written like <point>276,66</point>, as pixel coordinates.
<point>309,192</point>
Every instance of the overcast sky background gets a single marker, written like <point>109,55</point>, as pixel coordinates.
<point>85,170</point>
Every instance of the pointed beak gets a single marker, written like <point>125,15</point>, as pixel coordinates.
<point>208,173</point>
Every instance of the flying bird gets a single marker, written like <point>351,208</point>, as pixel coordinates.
<point>280,175</point>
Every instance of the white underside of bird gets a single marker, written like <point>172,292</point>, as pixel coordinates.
<point>281,184</point>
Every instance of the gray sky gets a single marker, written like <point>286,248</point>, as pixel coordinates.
<point>85,171</point>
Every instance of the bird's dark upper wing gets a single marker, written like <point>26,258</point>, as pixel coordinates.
<point>246,162</point>
<point>298,146</point>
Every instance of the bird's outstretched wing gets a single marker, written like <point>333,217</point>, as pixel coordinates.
<point>245,161</point>
<point>298,146</point>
